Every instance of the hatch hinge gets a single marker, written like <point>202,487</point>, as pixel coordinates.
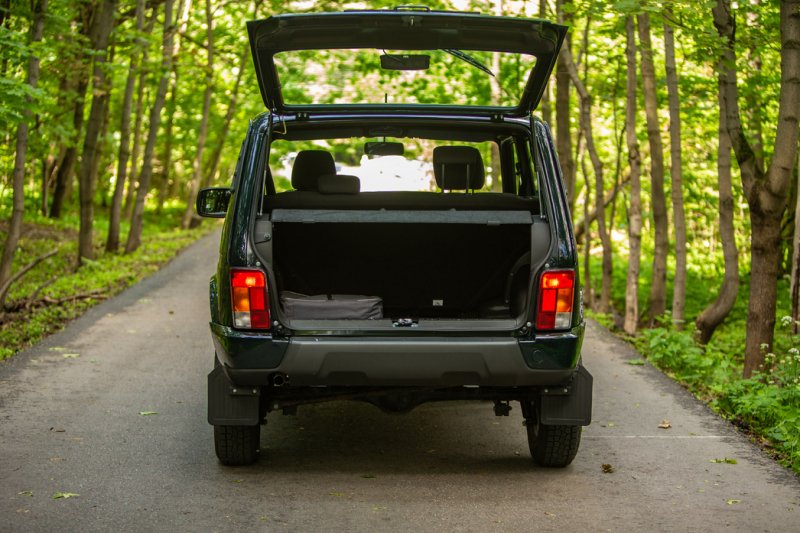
<point>301,116</point>
<point>497,117</point>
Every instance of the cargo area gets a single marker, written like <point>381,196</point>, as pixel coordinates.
<point>422,265</point>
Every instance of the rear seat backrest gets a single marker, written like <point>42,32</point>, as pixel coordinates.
<point>308,166</point>
<point>339,184</point>
<point>458,168</point>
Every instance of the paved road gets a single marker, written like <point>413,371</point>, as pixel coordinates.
<point>71,425</point>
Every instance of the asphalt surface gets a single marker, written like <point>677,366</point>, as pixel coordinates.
<point>73,425</point>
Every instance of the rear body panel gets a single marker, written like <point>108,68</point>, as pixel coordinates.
<point>319,354</point>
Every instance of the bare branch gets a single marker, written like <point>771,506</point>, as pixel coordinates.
<point>22,272</point>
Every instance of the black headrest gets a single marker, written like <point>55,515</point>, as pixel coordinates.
<point>339,184</point>
<point>308,166</point>
<point>454,165</point>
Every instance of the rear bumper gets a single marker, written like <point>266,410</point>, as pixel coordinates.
<point>251,359</point>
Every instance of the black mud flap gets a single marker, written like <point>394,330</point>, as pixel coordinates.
<point>570,405</point>
<point>231,405</point>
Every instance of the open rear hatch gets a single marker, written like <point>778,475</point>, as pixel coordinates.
<point>379,61</point>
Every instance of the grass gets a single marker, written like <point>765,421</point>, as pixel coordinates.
<point>767,406</point>
<point>108,274</point>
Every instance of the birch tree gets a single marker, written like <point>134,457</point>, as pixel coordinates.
<point>634,160</point>
<point>676,173</point>
<point>658,289</point>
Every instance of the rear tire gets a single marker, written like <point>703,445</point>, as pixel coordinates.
<point>553,446</point>
<point>237,445</point>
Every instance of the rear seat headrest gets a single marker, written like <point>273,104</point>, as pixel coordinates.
<point>339,184</point>
<point>308,166</point>
<point>453,166</point>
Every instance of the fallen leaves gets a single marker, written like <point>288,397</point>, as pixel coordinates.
<point>368,476</point>
<point>147,413</point>
<point>71,354</point>
<point>608,469</point>
<point>65,495</point>
<point>731,502</point>
<point>26,493</point>
<point>665,425</point>
<point>726,460</point>
<point>377,508</point>
<point>336,494</point>
<point>636,362</point>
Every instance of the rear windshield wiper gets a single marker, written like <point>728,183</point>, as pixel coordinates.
<point>469,59</point>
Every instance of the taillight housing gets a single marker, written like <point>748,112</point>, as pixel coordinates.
<point>250,299</point>
<point>556,292</point>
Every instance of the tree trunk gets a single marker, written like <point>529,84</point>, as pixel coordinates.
<point>635,162</point>
<point>754,111</point>
<point>604,305</point>
<point>215,156</point>
<point>794,289</point>
<point>658,290</point>
<point>676,171</point>
<point>101,141</point>
<point>607,200</point>
<point>563,107</point>
<point>137,140</point>
<point>765,192</point>
<point>713,315</point>
<point>201,135</point>
<point>588,301</point>
<point>184,7</point>
<point>137,220</point>
<point>141,98</point>
<point>167,167</point>
<point>66,170</point>
<point>18,210</point>
<point>47,180</point>
<point>105,23</point>
<point>112,243</point>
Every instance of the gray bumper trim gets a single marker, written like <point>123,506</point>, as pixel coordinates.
<point>363,361</point>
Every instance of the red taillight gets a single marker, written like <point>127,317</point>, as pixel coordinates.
<point>250,300</point>
<point>555,299</point>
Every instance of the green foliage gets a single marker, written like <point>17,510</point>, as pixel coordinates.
<point>767,404</point>
<point>108,274</point>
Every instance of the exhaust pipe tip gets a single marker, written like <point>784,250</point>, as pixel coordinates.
<point>279,380</point>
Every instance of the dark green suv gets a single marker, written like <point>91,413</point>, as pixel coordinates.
<point>402,280</point>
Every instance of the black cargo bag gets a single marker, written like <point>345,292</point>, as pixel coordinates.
<point>331,306</point>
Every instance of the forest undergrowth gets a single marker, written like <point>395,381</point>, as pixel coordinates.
<point>766,407</point>
<point>56,291</point>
